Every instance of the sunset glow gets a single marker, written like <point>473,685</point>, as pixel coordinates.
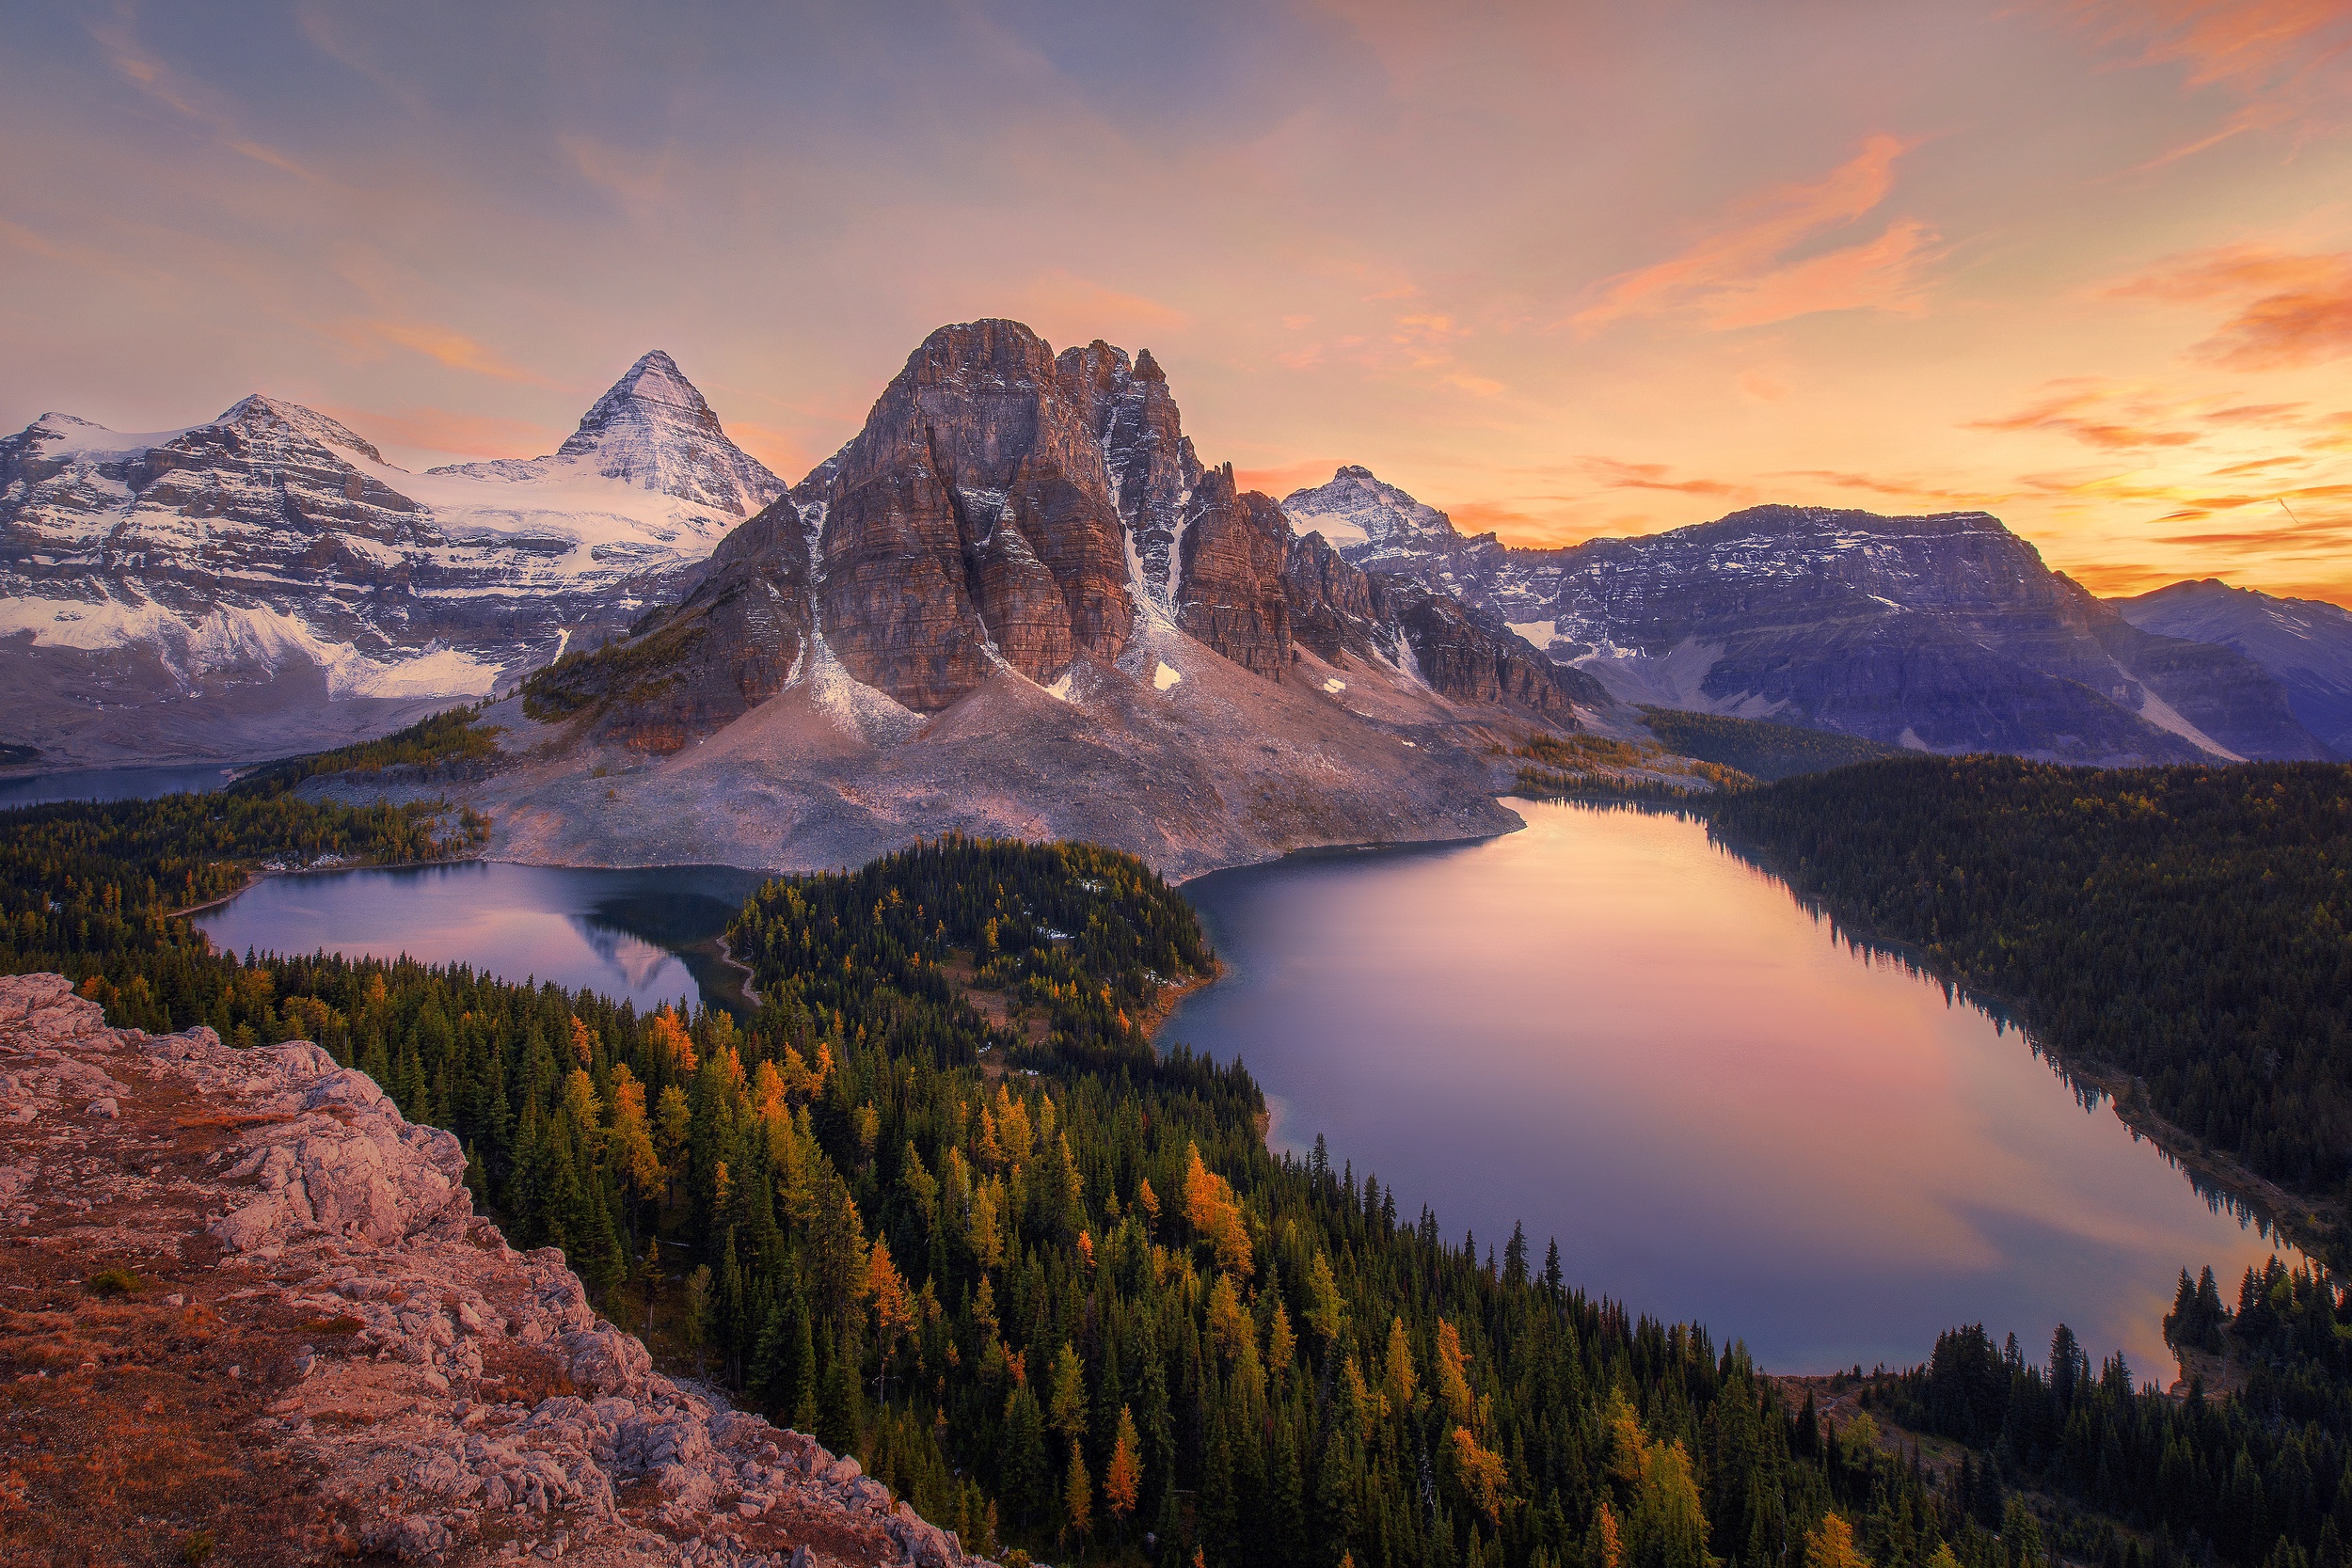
<point>1565,271</point>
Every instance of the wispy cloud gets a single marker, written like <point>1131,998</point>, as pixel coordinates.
<point>1740,275</point>
<point>442,345</point>
<point>2097,414</point>
<point>177,91</point>
<point>2292,308</point>
<point>2284,60</point>
<point>1612,473</point>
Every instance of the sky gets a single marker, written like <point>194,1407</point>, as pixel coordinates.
<point>1565,270</point>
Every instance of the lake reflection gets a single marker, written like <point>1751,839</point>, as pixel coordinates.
<point>1608,1029</point>
<point>646,935</point>
<point>112,783</point>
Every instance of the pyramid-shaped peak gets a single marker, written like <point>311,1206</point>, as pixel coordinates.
<point>256,412</point>
<point>654,429</point>
<point>654,391</point>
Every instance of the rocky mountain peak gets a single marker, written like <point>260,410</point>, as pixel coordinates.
<point>653,391</point>
<point>654,429</point>
<point>1365,518</point>
<point>257,414</point>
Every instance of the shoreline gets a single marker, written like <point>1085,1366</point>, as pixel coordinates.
<point>2308,1221</point>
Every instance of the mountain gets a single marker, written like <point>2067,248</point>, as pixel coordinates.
<point>1945,633</point>
<point>268,582</point>
<point>2307,644</point>
<point>1018,602</point>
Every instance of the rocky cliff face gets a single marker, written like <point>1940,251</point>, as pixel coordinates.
<point>1232,547</point>
<point>264,582</point>
<point>1004,509</point>
<point>1945,632</point>
<point>971,523</point>
<point>1343,613</point>
<point>316,1348</point>
<point>2305,643</point>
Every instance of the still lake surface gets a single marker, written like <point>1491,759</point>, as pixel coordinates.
<point>647,935</point>
<point>1612,1031</point>
<point>112,783</point>
<point>1602,1026</point>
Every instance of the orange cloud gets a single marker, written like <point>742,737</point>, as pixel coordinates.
<point>2293,309</point>
<point>1738,274</point>
<point>2096,415</point>
<point>2249,42</point>
<point>188,98</point>
<point>1616,474</point>
<point>450,348</point>
<point>1869,485</point>
<point>2282,58</point>
<point>1885,274</point>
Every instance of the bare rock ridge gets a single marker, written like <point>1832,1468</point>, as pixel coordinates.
<point>326,1350</point>
<point>1945,632</point>
<point>1005,508</point>
<point>2307,644</point>
<point>267,582</point>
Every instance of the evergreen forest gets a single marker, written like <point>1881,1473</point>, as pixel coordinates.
<point>2190,927</point>
<point>940,1201</point>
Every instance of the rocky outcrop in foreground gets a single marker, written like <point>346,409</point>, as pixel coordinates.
<point>243,1300</point>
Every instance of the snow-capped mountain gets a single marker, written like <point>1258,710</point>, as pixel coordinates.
<point>2307,644</point>
<point>1018,602</point>
<point>1944,632</point>
<point>266,581</point>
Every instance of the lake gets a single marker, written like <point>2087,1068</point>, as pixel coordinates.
<point>112,783</point>
<point>1612,1031</point>
<point>647,935</point>
<point>1603,1028</point>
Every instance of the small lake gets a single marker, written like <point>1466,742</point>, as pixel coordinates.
<point>647,935</point>
<point>112,783</point>
<point>1613,1032</point>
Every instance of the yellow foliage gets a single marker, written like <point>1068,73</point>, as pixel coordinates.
<point>1216,1213</point>
<point>894,1310</point>
<point>670,1040</point>
<point>1830,1544</point>
<point>1454,1375</point>
<point>1123,1479</point>
<point>1397,1380</point>
<point>1484,1480</point>
<point>1229,1320</point>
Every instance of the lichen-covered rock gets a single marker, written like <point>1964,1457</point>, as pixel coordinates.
<point>445,1399</point>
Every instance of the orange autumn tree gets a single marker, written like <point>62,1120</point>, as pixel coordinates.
<point>666,1033</point>
<point>1215,1213</point>
<point>1122,1482</point>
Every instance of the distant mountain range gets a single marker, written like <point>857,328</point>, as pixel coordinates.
<point>1945,633</point>
<point>266,582</point>
<point>2307,644</point>
<point>1019,601</point>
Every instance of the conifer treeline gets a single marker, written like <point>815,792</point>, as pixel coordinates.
<point>2265,1476</point>
<point>2191,926</point>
